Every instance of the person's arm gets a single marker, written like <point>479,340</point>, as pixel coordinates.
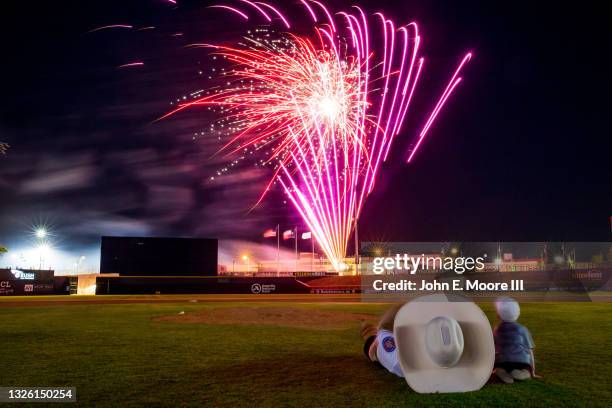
<point>531,345</point>
<point>386,352</point>
<point>533,373</point>
<point>388,318</point>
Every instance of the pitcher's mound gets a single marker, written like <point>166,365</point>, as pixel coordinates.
<point>279,316</point>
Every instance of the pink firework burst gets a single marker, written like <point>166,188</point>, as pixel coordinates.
<point>323,111</point>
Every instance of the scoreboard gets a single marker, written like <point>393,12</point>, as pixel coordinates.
<point>140,256</point>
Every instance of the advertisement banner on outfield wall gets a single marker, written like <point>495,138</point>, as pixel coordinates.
<point>24,288</point>
<point>26,282</point>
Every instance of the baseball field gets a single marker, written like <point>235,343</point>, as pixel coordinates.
<point>213,351</point>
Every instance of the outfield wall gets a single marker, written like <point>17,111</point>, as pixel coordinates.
<point>30,282</point>
<point>124,285</point>
<point>45,283</point>
<point>581,281</point>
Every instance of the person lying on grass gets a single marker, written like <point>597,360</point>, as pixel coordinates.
<point>386,355</point>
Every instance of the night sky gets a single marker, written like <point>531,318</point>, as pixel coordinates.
<point>521,152</point>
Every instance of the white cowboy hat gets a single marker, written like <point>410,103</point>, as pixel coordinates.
<point>445,344</point>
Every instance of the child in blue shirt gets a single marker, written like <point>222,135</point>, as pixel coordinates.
<point>514,359</point>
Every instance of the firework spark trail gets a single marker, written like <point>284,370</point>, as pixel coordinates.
<point>322,112</point>
<point>452,84</point>
<point>131,64</point>
<point>107,27</point>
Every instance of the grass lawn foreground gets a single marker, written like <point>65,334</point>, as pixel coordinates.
<point>124,354</point>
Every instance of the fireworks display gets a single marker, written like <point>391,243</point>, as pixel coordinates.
<point>322,110</point>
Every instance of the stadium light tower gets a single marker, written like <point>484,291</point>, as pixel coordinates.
<point>43,250</point>
<point>40,233</point>
<point>78,263</point>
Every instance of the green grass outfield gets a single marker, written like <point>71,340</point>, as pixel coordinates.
<point>116,354</point>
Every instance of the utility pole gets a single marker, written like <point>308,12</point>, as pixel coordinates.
<point>277,250</point>
<point>356,248</point>
<point>296,248</point>
<point>312,255</point>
